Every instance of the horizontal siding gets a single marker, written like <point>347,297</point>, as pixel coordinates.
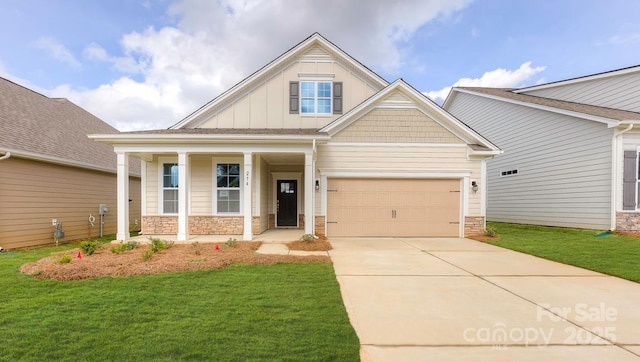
<point>619,92</point>
<point>564,164</point>
<point>398,159</point>
<point>32,193</point>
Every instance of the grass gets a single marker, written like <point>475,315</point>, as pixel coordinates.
<point>281,312</point>
<point>611,254</point>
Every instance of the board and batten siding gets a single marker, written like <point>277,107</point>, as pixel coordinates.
<point>409,159</point>
<point>620,92</point>
<point>563,163</point>
<point>32,193</point>
<point>267,104</point>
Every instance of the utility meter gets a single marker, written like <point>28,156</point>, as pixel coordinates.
<point>103,209</point>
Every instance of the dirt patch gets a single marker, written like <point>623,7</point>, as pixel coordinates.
<point>635,234</point>
<point>315,245</point>
<point>179,257</point>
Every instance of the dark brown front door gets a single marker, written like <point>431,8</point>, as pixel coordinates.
<point>287,203</point>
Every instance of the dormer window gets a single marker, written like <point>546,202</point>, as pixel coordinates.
<point>315,97</point>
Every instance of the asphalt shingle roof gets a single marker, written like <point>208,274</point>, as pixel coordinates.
<point>52,127</point>
<point>611,113</point>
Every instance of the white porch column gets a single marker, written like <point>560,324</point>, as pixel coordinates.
<point>122,181</point>
<point>309,187</point>
<point>183,196</point>
<point>246,198</point>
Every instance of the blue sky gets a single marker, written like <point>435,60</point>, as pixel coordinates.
<point>147,64</point>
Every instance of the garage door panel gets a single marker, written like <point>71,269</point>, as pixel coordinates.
<point>392,207</point>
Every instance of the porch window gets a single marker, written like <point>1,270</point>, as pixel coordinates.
<point>170,188</point>
<point>228,187</point>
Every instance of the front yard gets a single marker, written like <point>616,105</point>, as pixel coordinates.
<point>603,252</point>
<point>242,312</point>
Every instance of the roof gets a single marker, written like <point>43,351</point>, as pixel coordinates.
<point>315,39</point>
<point>596,112</point>
<point>53,130</point>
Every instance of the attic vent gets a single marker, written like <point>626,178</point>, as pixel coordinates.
<point>316,52</point>
<point>509,172</point>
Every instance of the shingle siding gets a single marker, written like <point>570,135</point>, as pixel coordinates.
<point>564,164</point>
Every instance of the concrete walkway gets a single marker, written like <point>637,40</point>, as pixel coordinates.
<point>454,299</point>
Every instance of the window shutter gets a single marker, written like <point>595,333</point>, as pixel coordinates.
<point>337,97</point>
<point>629,181</point>
<point>294,98</point>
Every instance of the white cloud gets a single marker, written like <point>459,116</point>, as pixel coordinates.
<point>626,39</point>
<point>214,44</point>
<point>498,78</point>
<point>57,51</point>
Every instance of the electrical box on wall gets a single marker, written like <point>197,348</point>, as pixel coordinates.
<point>103,210</point>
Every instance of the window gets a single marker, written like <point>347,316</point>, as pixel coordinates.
<point>315,97</point>
<point>228,187</point>
<point>509,172</point>
<point>170,188</point>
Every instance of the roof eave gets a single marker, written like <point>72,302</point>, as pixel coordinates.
<point>199,138</point>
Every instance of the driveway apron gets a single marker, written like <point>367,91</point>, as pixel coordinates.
<point>435,299</point>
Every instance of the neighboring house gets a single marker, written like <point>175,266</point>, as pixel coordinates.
<point>51,170</point>
<point>571,149</point>
<point>316,141</point>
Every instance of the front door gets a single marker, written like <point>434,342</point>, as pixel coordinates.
<point>287,203</point>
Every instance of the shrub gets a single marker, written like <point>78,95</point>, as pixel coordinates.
<point>147,255</point>
<point>156,245</point>
<point>65,259</point>
<point>129,245</point>
<point>491,231</point>
<point>89,246</point>
<point>231,242</point>
<point>308,237</point>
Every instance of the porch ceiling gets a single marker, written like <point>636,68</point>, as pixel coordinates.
<point>283,158</point>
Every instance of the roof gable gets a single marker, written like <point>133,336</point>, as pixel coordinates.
<point>314,47</point>
<point>52,129</point>
<point>400,95</point>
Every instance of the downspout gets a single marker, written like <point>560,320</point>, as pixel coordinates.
<point>614,174</point>
<point>6,155</point>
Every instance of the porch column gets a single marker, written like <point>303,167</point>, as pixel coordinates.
<point>246,198</point>
<point>309,219</point>
<point>122,203</point>
<point>183,196</point>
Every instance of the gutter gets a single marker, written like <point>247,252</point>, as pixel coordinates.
<point>6,155</point>
<point>614,172</point>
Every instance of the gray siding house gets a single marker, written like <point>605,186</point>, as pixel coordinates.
<point>570,149</point>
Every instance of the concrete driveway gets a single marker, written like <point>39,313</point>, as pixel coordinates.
<point>458,299</point>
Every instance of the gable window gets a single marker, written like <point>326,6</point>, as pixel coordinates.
<point>315,97</point>
<point>169,188</point>
<point>228,188</point>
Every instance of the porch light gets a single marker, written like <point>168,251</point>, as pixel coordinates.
<point>317,185</point>
<point>474,186</point>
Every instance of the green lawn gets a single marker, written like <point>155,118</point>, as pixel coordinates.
<point>610,254</point>
<point>286,312</point>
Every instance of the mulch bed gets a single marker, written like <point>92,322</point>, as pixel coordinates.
<point>320,244</point>
<point>179,257</point>
<point>483,238</point>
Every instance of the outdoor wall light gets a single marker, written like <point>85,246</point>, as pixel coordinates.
<point>317,185</point>
<point>474,186</point>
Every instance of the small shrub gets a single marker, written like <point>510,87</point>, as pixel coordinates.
<point>36,273</point>
<point>231,242</point>
<point>156,245</point>
<point>129,245</point>
<point>147,255</point>
<point>196,245</point>
<point>65,259</point>
<point>491,231</point>
<point>89,246</point>
<point>168,243</point>
<point>308,237</point>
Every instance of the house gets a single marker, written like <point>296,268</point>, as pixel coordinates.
<point>313,140</point>
<point>571,149</point>
<point>50,171</point>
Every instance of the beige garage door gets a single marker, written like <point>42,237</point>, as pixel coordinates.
<point>392,207</point>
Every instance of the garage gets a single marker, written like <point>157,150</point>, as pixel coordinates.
<point>393,207</point>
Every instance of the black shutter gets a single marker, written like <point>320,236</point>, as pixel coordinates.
<point>337,97</point>
<point>294,99</point>
<point>629,181</point>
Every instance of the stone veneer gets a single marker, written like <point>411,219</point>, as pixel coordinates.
<point>320,226</point>
<point>159,225</point>
<point>216,225</point>
<point>473,225</point>
<point>628,221</point>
